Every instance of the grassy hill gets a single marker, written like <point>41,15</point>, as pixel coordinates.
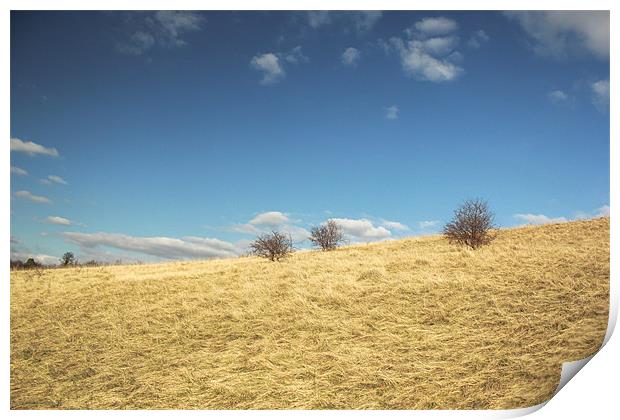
<point>409,324</point>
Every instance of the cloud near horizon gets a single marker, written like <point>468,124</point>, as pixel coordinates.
<point>189,247</point>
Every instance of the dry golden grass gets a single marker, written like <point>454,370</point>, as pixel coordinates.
<point>409,324</point>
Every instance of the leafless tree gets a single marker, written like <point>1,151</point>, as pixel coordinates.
<point>327,236</point>
<point>472,224</point>
<point>274,245</point>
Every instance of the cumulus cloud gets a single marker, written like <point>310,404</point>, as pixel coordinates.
<point>27,195</point>
<point>57,220</point>
<point>600,94</point>
<point>18,171</point>
<point>31,148</point>
<point>270,218</point>
<point>430,53</point>
<point>428,224</point>
<point>164,28</point>
<point>562,33</point>
<point>271,67</point>
<point>365,20</point>
<point>362,229</point>
<point>478,38</point>
<point>391,225</point>
<point>269,221</point>
<point>603,211</point>
<point>350,57</point>
<point>391,112</point>
<point>538,219</point>
<point>190,247</point>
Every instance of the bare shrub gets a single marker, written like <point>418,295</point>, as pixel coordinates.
<point>327,236</point>
<point>472,224</point>
<point>274,245</point>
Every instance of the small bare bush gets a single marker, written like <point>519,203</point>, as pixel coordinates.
<point>328,236</point>
<point>274,245</point>
<point>472,224</point>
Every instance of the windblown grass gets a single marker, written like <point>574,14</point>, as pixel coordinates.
<point>408,324</point>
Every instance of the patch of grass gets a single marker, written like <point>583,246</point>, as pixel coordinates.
<point>410,324</point>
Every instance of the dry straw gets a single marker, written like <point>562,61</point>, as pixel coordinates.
<point>408,324</point>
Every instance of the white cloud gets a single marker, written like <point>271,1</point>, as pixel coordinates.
<point>478,38</point>
<point>558,96</point>
<point>538,219</point>
<point>350,57</point>
<point>391,225</point>
<point>53,179</point>
<point>428,224</point>
<point>600,94</point>
<point>40,258</point>
<point>430,54</point>
<point>57,220</point>
<point>27,195</point>
<point>562,33</point>
<point>31,148</point>
<point>18,171</point>
<point>164,28</point>
<point>269,64</point>
<point>603,211</point>
<point>391,112</point>
<point>270,218</point>
<point>436,26</point>
<point>362,229</point>
<point>161,247</point>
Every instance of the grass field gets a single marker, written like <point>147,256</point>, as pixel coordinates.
<point>409,324</point>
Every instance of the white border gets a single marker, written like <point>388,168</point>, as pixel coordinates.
<point>594,393</point>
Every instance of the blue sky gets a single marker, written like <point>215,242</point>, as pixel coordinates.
<point>150,135</point>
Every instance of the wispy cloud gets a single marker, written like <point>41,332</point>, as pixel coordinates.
<point>564,33</point>
<point>600,94</point>
<point>57,220</point>
<point>538,219</point>
<point>436,26</point>
<point>53,179</point>
<point>27,195</point>
<point>18,171</point>
<point>428,224</point>
<point>394,226</point>
<point>350,57</point>
<point>478,38</point>
<point>360,21</point>
<point>31,148</point>
<point>190,247</point>
<point>164,28</point>
<point>391,112</point>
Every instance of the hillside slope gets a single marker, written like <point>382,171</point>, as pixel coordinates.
<point>408,324</point>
